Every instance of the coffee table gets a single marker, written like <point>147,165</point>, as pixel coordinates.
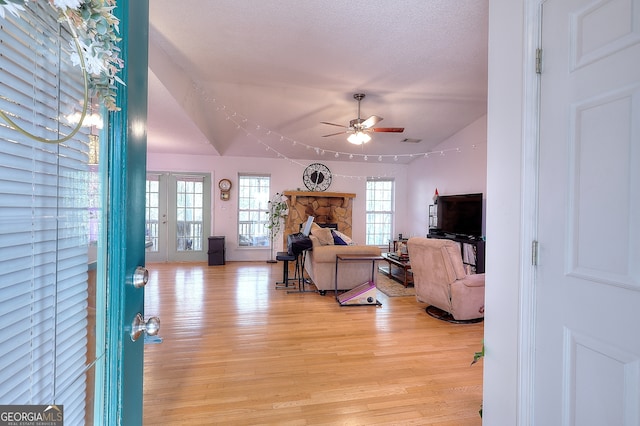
<point>398,269</point>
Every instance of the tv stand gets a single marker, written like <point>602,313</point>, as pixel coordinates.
<point>471,249</point>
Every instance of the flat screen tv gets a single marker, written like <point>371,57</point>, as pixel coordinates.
<point>460,214</point>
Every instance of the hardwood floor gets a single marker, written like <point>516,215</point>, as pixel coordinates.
<point>237,351</point>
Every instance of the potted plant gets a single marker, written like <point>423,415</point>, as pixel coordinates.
<point>278,210</point>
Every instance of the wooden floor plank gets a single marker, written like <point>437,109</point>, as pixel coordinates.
<point>238,351</point>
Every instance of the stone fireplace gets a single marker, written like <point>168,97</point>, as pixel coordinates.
<point>326,207</point>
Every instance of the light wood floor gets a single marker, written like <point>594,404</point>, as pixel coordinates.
<point>236,351</point>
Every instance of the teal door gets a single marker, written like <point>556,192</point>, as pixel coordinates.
<point>68,254</point>
<point>126,220</point>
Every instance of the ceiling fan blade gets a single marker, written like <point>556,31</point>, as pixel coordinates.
<point>371,121</point>
<point>333,124</point>
<point>388,129</point>
<point>333,134</point>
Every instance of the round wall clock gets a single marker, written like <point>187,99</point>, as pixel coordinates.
<point>225,187</point>
<point>317,177</point>
<point>224,184</point>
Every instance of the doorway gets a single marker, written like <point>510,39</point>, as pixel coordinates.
<point>177,219</point>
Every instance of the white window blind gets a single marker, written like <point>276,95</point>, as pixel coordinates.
<point>44,222</point>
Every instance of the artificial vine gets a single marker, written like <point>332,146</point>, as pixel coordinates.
<point>95,30</point>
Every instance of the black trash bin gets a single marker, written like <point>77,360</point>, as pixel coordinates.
<point>216,251</point>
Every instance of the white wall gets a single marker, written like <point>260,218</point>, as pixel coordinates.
<point>285,175</point>
<point>453,172</point>
<point>504,211</point>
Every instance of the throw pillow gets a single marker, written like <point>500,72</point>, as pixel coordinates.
<point>314,227</point>
<point>323,235</point>
<point>348,241</point>
<point>337,240</point>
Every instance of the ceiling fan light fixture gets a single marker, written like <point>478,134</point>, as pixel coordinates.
<point>359,138</point>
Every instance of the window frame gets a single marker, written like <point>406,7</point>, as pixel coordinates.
<point>252,220</point>
<point>376,238</point>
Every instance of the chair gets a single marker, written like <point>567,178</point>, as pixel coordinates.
<point>286,258</point>
<point>441,281</point>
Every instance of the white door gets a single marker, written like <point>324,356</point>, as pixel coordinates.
<point>178,212</point>
<point>587,359</point>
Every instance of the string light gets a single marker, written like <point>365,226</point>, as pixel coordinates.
<point>240,126</point>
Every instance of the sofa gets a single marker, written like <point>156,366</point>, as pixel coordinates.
<point>320,262</point>
<point>441,281</point>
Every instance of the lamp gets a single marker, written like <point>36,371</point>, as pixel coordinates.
<point>359,138</point>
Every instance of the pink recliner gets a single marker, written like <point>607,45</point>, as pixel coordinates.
<point>441,281</point>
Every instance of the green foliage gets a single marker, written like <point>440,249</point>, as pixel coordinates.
<point>278,210</point>
<point>95,30</point>
<point>478,355</point>
<point>476,358</point>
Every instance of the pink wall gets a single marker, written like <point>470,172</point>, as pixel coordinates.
<point>285,175</point>
<point>460,169</point>
<point>454,172</point>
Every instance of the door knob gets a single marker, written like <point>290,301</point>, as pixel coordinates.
<point>140,277</point>
<point>139,326</point>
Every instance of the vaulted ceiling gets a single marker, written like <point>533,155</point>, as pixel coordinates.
<point>257,77</point>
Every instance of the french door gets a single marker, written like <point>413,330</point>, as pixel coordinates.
<point>177,216</point>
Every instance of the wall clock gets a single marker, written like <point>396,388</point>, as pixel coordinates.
<point>317,177</point>
<point>225,187</point>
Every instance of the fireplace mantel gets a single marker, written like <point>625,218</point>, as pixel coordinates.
<point>294,194</point>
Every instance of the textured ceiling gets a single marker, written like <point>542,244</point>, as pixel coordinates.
<point>256,77</point>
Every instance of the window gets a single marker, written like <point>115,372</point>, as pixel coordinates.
<point>253,204</point>
<point>380,194</point>
<point>152,209</point>
<point>189,212</point>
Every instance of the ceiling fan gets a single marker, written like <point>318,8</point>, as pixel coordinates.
<point>359,128</point>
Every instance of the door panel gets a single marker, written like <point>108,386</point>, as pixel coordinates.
<point>156,233</point>
<point>587,359</point>
<point>126,219</point>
